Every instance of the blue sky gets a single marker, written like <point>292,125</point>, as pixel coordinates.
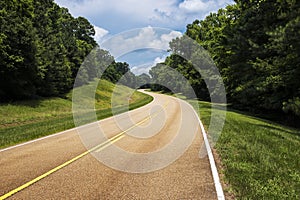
<point>112,17</point>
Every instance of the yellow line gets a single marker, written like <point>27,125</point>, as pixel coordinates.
<point>98,148</point>
<point>42,176</point>
<point>109,143</point>
<point>135,125</point>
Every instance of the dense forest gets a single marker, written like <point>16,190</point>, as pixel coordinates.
<point>255,45</point>
<point>42,47</point>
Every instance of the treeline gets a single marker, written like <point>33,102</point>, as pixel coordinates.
<point>255,45</point>
<point>101,65</point>
<point>42,47</point>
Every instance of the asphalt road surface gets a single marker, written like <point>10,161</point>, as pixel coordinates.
<point>141,154</point>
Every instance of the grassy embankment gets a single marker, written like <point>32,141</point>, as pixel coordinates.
<point>261,159</point>
<point>26,120</point>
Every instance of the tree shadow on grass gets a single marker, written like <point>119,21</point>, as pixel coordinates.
<point>292,131</point>
<point>28,103</point>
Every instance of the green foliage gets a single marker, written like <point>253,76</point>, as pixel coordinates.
<point>188,70</point>
<point>17,61</point>
<point>120,72</point>
<point>41,48</point>
<point>143,81</point>
<point>256,46</point>
<point>265,57</point>
<point>293,105</point>
<point>100,64</point>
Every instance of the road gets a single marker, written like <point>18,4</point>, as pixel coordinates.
<point>145,159</point>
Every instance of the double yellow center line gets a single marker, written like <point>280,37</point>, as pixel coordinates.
<point>96,148</point>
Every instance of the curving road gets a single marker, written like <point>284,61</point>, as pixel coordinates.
<point>141,154</point>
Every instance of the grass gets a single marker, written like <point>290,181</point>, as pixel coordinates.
<point>261,159</point>
<point>26,120</point>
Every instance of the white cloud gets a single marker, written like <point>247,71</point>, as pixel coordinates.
<point>159,60</point>
<point>196,5</point>
<point>117,16</point>
<point>148,37</point>
<point>100,34</point>
<point>169,37</point>
<point>144,68</point>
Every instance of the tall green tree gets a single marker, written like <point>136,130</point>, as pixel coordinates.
<point>18,69</point>
<point>42,48</point>
<point>255,46</point>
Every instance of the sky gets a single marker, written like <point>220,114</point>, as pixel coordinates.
<point>138,31</point>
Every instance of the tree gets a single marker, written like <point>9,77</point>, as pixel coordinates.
<point>255,45</point>
<point>18,70</point>
<point>143,81</point>
<point>42,48</point>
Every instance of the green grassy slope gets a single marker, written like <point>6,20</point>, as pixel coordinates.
<point>260,158</point>
<point>26,120</point>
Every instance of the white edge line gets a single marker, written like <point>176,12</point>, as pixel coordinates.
<point>213,167</point>
<point>214,170</point>
<point>35,140</point>
<point>218,186</point>
<point>72,129</point>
